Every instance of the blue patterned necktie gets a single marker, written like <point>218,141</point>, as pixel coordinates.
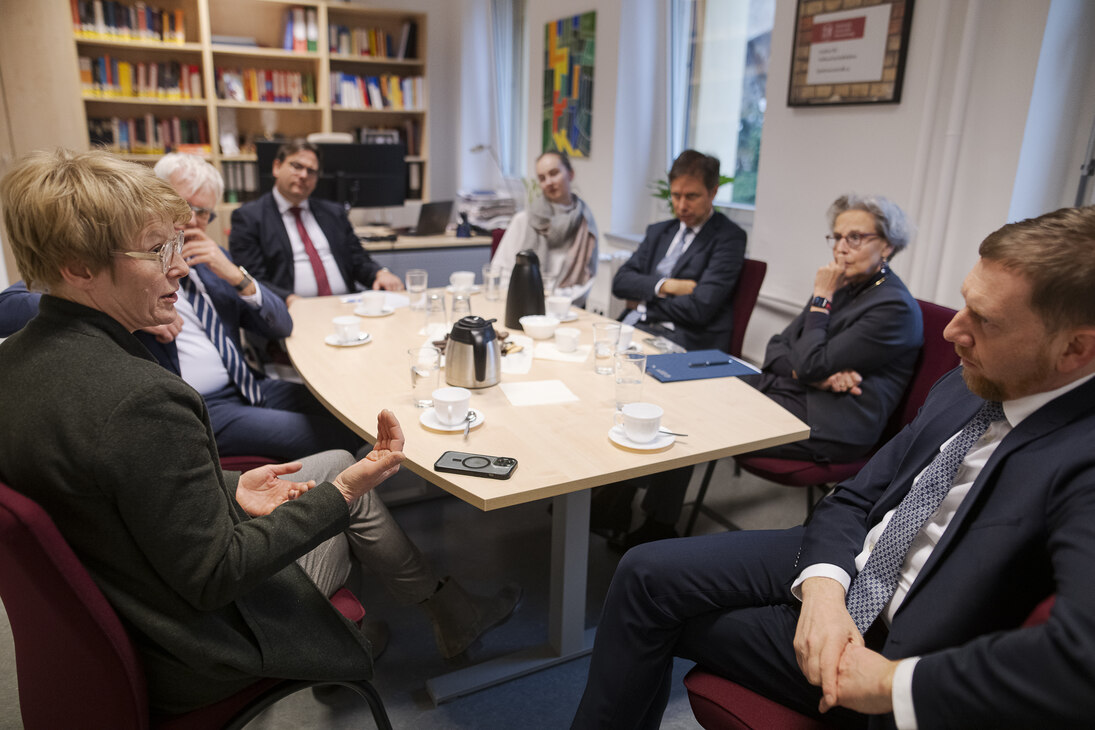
<point>673,253</point>
<point>875,585</point>
<point>237,369</point>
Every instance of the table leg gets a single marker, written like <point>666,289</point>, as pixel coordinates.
<point>567,636</point>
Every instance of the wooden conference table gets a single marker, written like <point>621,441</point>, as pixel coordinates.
<point>562,449</point>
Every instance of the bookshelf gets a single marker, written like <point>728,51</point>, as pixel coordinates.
<point>214,76</point>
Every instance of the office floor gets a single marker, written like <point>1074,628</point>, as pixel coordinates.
<point>481,549</point>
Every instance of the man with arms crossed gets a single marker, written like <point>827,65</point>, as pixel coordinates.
<point>300,246</point>
<point>898,605</point>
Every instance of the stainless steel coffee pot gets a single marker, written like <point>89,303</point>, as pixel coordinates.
<point>473,356</point>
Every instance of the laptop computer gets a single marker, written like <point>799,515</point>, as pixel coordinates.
<point>433,218</point>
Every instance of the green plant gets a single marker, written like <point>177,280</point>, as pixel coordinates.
<point>660,189</point>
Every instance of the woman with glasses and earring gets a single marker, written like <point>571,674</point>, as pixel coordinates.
<point>843,363</point>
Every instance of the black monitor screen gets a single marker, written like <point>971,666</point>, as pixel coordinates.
<point>358,175</point>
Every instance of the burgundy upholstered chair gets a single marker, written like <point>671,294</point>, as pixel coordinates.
<point>937,357</point>
<point>721,704</point>
<point>75,663</point>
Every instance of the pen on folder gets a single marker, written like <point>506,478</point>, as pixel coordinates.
<point>709,364</point>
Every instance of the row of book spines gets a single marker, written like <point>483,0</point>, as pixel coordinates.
<point>106,77</point>
<point>266,85</point>
<point>111,20</point>
<point>148,135</point>
<point>241,181</point>
<point>377,92</point>
<point>360,41</point>
<point>301,30</point>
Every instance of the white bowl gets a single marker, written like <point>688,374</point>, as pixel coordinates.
<point>539,326</point>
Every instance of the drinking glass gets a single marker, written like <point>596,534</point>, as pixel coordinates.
<point>605,337</point>
<point>629,368</point>
<point>492,284</point>
<point>549,285</point>
<point>416,288</point>
<point>437,318</point>
<point>425,365</point>
<point>461,306</point>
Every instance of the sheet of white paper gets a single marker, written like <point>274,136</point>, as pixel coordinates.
<point>518,363</point>
<point>395,301</point>
<point>548,351</point>
<point>538,393</point>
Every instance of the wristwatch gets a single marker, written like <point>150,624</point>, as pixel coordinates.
<point>245,281</point>
<point>821,303</point>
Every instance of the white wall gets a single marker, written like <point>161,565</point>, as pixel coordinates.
<point>948,153</point>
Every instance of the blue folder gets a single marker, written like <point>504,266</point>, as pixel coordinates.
<point>696,365</point>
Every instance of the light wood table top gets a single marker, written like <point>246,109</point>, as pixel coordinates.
<point>560,448</point>
<point>414,243</point>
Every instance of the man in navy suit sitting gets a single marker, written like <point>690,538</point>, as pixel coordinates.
<point>900,603</point>
<point>299,246</point>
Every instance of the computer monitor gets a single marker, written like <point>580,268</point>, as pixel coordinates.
<point>356,175</point>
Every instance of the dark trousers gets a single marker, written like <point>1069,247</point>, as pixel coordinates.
<point>723,601</point>
<point>290,424</point>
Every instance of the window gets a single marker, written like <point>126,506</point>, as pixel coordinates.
<point>508,36</point>
<point>718,70</point>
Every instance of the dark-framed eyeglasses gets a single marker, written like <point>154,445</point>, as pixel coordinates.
<point>855,239</point>
<point>162,253</point>
<point>208,214</point>
<point>308,171</point>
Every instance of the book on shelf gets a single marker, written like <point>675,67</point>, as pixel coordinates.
<point>265,85</point>
<point>372,42</point>
<point>385,91</point>
<point>113,20</point>
<point>149,135</point>
<point>301,30</point>
<point>406,133</point>
<point>107,77</point>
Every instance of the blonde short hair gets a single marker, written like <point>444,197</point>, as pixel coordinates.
<point>63,209</point>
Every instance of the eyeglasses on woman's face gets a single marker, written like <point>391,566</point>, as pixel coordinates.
<point>164,253</point>
<point>854,239</point>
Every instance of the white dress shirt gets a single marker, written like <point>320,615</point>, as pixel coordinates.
<point>200,365</point>
<point>928,537</point>
<point>304,276</point>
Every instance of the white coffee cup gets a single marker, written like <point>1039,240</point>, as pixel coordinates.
<point>347,328</point>
<point>451,404</point>
<point>558,306</point>
<point>640,421</point>
<point>626,331</point>
<point>462,280</point>
<point>372,302</point>
<point>566,339</point>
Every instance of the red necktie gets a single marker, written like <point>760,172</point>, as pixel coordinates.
<point>323,288</point>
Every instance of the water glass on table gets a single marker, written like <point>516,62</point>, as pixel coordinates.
<point>549,285</point>
<point>416,288</point>
<point>461,306</point>
<point>629,369</point>
<point>425,364</point>
<point>437,317</point>
<point>605,337</point>
<point>492,284</point>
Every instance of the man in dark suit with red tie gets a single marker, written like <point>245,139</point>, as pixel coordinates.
<point>300,246</point>
<point>900,604</point>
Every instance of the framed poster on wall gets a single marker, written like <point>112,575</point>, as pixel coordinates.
<point>569,51</point>
<point>849,52</point>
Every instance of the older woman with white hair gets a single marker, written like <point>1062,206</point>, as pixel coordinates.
<point>844,362</point>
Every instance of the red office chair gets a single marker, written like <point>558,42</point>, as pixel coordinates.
<point>495,239</point>
<point>244,463</point>
<point>720,704</point>
<point>745,299</point>
<point>74,660</point>
<point>936,358</point>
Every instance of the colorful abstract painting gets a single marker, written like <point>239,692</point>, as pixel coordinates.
<point>569,45</point>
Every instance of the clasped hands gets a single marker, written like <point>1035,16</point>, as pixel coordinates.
<point>831,653</point>
<point>261,490</point>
